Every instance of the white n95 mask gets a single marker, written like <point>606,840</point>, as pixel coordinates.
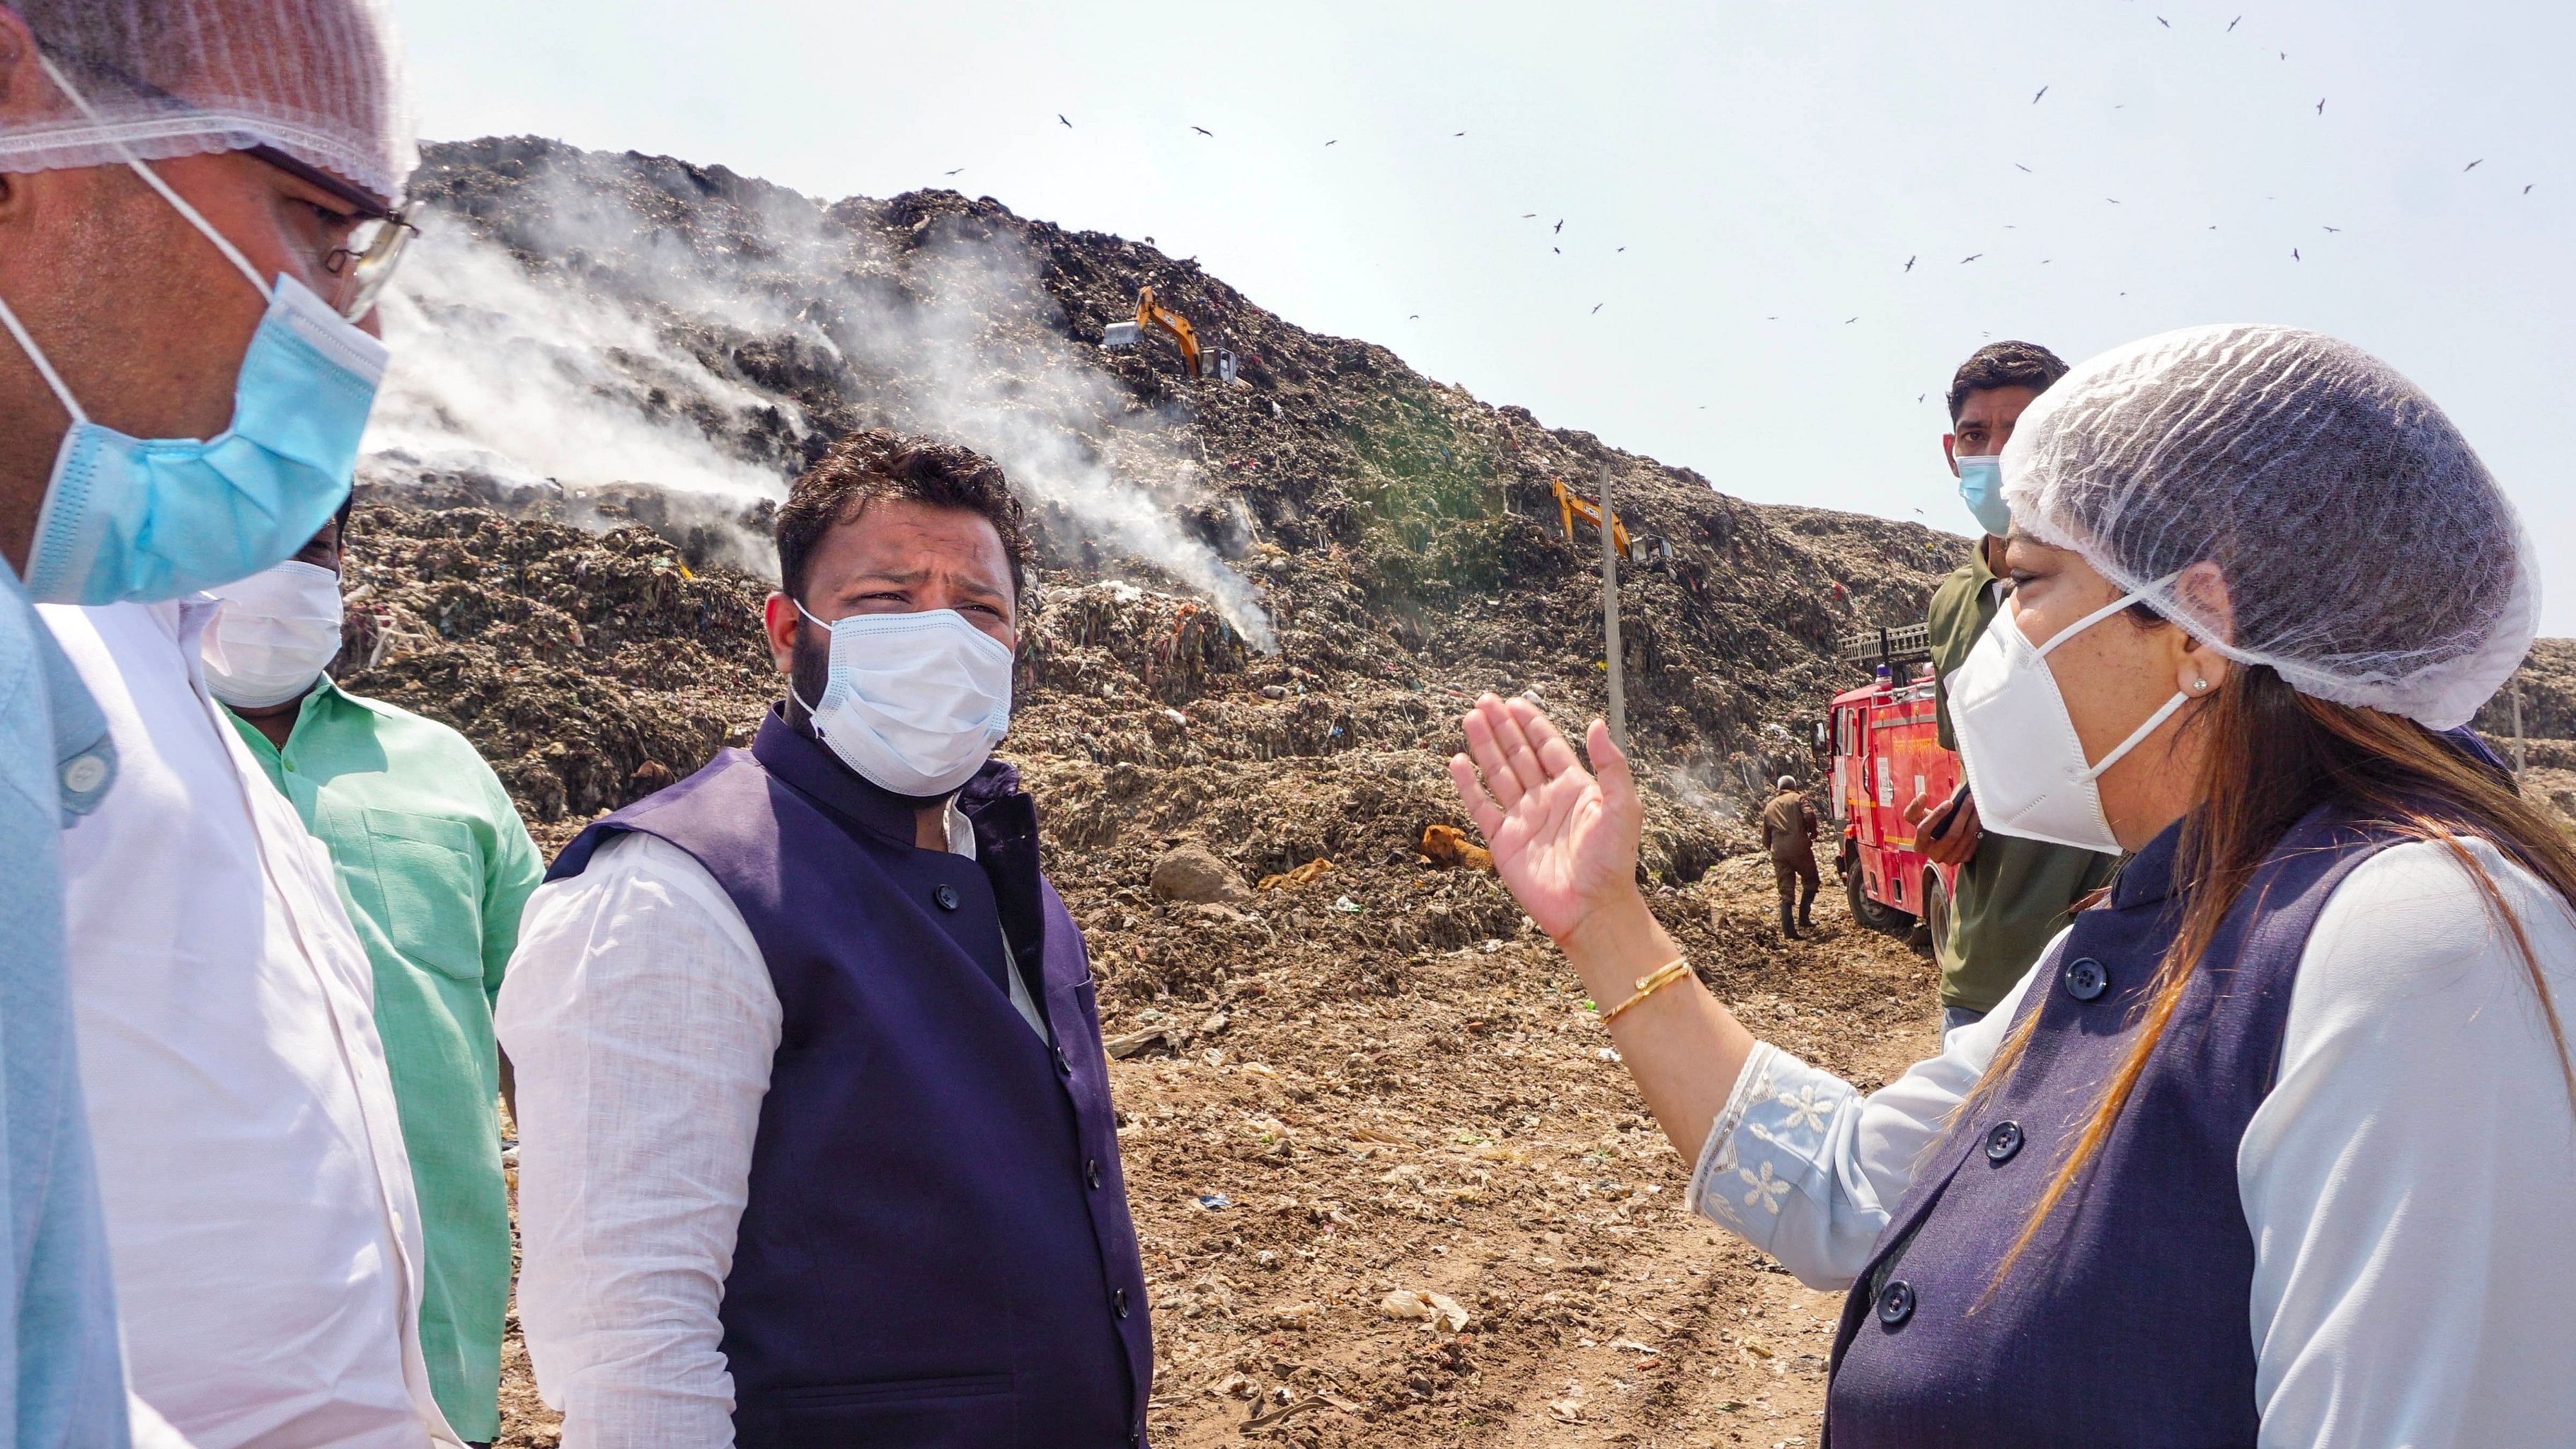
<point>913,702</point>
<point>276,633</point>
<point>2025,765</point>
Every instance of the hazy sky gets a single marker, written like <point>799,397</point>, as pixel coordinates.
<point>1768,167</point>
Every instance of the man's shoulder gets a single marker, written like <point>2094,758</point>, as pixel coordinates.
<point>433,739</point>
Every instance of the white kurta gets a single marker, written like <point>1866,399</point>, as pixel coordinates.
<point>260,1219</point>
<point>641,1021</point>
<point>2409,1183</point>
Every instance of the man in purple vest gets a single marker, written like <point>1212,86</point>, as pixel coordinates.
<point>816,1140</point>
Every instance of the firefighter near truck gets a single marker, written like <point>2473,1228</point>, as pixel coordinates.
<point>1883,744</point>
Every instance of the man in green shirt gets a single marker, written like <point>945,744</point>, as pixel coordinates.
<point>2012,895</point>
<point>433,866</point>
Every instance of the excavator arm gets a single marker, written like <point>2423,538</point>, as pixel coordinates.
<point>1571,506</point>
<point>1151,316</point>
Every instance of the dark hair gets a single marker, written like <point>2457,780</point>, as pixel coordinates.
<point>348,506</point>
<point>881,464</point>
<point>2004,364</point>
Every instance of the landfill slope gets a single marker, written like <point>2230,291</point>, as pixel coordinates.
<point>1373,1079</point>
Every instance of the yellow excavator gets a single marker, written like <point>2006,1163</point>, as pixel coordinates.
<point>1571,505</point>
<point>1152,317</point>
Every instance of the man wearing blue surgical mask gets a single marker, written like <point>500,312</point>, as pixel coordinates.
<point>198,201</point>
<point>2011,894</point>
<point>816,1144</point>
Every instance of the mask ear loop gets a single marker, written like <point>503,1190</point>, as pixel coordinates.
<point>152,179</point>
<point>44,366</point>
<point>2104,612</point>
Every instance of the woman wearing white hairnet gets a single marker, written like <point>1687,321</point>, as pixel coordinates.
<point>2276,1144</point>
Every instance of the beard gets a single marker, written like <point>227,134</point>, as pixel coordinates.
<point>809,673</point>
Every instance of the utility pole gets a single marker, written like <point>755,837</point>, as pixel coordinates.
<point>2517,726</point>
<point>1610,614</point>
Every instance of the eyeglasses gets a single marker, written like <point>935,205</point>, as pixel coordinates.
<point>365,260</point>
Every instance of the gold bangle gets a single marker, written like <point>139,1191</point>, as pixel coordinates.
<point>1650,983</point>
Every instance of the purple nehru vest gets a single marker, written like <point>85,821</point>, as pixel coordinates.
<point>936,1252</point>
<point>2127,1321</point>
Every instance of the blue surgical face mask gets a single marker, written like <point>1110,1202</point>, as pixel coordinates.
<point>155,518</point>
<point>1981,487</point>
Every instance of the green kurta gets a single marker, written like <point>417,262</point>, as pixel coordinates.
<point>2013,895</point>
<point>434,866</point>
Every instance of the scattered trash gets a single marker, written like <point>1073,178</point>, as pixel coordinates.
<point>1214,1200</point>
<point>1437,1309</point>
<point>1346,905</point>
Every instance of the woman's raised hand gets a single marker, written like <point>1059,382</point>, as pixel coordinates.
<point>1564,842</point>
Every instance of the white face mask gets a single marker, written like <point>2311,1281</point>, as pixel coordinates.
<point>2025,765</point>
<point>913,702</point>
<point>276,633</point>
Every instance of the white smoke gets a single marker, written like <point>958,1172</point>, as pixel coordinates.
<point>577,371</point>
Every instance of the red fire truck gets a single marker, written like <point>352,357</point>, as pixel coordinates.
<point>1883,744</point>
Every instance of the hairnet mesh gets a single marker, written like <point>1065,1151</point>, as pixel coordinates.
<point>317,79</point>
<point>2368,555</point>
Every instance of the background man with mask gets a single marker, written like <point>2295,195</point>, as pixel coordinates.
<point>810,1083</point>
<point>198,210</point>
<point>434,866</point>
<point>2013,894</point>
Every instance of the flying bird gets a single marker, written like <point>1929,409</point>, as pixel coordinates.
<point>1560,223</point>
<point>2294,256</point>
<point>1416,317</point>
<point>2167,24</point>
<point>2331,228</point>
<point>2321,101</point>
<point>2231,26</point>
<point>1460,133</point>
<point>1202,130</point>
<point>1527,215</point>
<point>2017,166</point>
<point>1920,396</point>
<point>2043,90</point>
<point>2474,165</point>
<point>1847,321</point>
<point>952,173</point>
<point>2527,189</point>
<point>1560,251</point>
<point>2112,199</point>
<point>1068,125</point>
<point>1596,307</point>
<point>1623,249</point>
<point>1909,261</point>
<point>1334,142</point>
<point>1963,261</point>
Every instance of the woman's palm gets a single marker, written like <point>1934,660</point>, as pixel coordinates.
<point>1566,842</point>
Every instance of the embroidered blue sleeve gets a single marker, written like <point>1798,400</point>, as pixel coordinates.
<point>1781,1170</point>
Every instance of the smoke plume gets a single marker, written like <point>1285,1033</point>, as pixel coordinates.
<point>642,333</point>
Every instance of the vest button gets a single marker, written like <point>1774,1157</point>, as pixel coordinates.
<point>2002,1141</point>
<point>2087,978</point>
<point>1118,1300</point>
<point>1896,1303</point>
<point>1091,1173</point>
<point>1063,1063</point>
<point>946,896</point>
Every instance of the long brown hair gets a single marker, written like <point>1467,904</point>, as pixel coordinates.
<point>2273,755</point>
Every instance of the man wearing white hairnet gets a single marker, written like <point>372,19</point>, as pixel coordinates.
<point>197,204</point>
